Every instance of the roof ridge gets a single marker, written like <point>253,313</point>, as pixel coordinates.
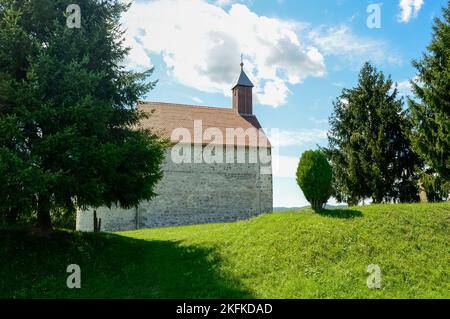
<point>185,105</point>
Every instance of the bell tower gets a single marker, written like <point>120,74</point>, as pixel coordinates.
<point>242,93</point>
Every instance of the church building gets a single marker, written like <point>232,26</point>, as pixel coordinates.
<point>217,169</point>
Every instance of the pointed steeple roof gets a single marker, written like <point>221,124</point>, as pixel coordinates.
<point>243,79</point>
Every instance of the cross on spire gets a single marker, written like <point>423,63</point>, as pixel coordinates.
<point>242,61</point>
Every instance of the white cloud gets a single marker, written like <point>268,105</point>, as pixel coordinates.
<point>339,84</point>
<point>345,101</point>
<point>276,90</point>
<point>409,9</point>
<point>197,100</point>
<point>281,138</point>
<point>318,121</point>
<point>201,43</point>
<point>284,166</point>
<point>341,42</point>
<point>137,58</point>
<point>405,88</point>
<point>224,3</point>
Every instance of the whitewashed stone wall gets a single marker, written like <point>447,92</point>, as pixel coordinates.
<point>196,193</point>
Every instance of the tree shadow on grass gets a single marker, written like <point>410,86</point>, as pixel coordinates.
<point>112,266</point>
<point>340,213</point>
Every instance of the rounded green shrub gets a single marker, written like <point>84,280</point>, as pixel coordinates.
<point>314,175</point>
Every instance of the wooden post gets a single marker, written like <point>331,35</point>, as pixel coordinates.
<point>97,223</point>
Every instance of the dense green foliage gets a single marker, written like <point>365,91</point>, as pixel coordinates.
<point>68,126</point>
<point>436,187</point>
<point>314,177</point>
<point>280,255</point>
<point>431,107</point>
<point>369,146</point>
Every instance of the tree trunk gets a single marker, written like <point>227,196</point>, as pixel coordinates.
<point>316,205</point>
<point>377,199</point>
<point>44,223</point>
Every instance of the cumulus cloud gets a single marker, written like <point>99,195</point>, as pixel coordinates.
<point>405,88</point>
<point>201,43</point>
<point>409,9</point>
<point>341,42</point>
<point>282,138</point>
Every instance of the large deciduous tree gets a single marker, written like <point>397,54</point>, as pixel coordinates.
<point>69,129</point>
<point>369,147</point>
<point>431,108</point>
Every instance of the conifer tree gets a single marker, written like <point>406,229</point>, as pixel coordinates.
<point>431,106</point>
<point>69,135</point>
<point>369,146</point>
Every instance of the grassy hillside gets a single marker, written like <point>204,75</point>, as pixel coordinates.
<point>289,255</point>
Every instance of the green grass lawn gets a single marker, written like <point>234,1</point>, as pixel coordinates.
<point>281,255</point>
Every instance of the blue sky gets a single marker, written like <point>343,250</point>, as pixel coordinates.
<point>299,54</point>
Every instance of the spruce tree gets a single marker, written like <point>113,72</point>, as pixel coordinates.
<point>69,129</point>
<point>369,146</point>
<point>431,106</point>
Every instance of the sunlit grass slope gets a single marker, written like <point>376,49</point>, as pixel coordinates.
<point>297,254</point>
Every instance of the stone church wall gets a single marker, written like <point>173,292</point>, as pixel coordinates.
<point>196,193</point>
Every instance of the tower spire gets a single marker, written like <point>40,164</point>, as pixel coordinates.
<point>242,92</point>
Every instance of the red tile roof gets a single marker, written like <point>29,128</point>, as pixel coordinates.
<point>167,118</point>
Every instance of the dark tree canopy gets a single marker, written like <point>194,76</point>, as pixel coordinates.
<point>431,108</point>
<point>314,176</point>
<point>369,147</point>
<point>69,129</point>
